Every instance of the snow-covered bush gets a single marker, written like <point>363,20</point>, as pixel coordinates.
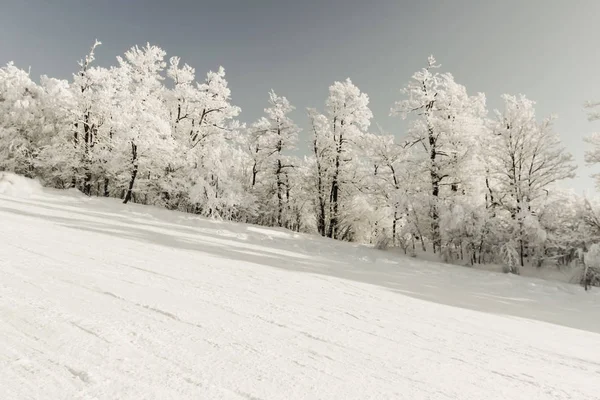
<point>18,186</point>
<point>510,258</point>
<point>383,241</point>
<point>591,272</point>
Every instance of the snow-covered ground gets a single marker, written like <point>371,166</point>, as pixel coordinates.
<point>104,301</point>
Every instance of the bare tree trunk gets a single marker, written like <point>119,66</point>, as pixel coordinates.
<point>320,191</point>
<point>394,223</point>
<point>334,221</point>
<point>106,187</point>
<point>279,194</point>
<point>321,216</point>
<point>87,183</point>
<point>134,172</point>
<point>254,173</point>
<point>521,252</point>
<point>298,221</point>
<point>435,217</point>
<point>75,144</point>
<point>435,192</point>
<point>518,216</point>
<point>585,276</point>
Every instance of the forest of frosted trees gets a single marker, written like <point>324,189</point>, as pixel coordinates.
<point>473,185</point>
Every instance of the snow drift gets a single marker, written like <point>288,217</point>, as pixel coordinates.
<point>18,186</point>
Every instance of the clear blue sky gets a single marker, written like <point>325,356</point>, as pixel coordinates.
<point>544,49</point>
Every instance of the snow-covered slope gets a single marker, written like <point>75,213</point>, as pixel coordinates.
<point>100,300</point>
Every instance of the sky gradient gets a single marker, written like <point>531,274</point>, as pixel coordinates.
<point>546,50</point>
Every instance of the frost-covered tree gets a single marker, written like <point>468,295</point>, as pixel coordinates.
<point>525,158</point>
<point>58,160</point>
<point>79,155</point>
<point>20,119</point>
<point>349,117</point>
<point>591,273</point>
<point>446,121</point>
<point>202,178</point>
<point>387,163</point>
<point>335,143</point>
<point>561,216</point>
<point>394,184</point>
<point>322,149</point>
<point>271,138</point>
<point>592,153</point>
<point>142,130</point>
<point>87,120</point>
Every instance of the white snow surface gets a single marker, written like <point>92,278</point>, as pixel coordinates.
<point>100,300</point>
<point>18,186</point>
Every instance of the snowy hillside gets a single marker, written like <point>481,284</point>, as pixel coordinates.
<point>103,301</point>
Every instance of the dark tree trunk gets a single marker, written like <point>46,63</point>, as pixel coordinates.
<point>321,216</point>
<point>334,221</point>
<point>321,197</point>
<point>518,217</point>
<point>88,139</point>
<point>279,179</point>
<point>279,194</point>
<point>522,252</point>
<point>435,217</point>
<point>134,173</point>
<point>254,173</point>
<point>75,143</point>
<point>87,184</point>
<point>435,190</point>
<point>395,222</point>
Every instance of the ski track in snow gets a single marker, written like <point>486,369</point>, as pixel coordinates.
<point>104,301</point>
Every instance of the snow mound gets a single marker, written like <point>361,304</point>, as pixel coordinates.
<point>270,233</point>
<point>18,186</point>
<point>74,192</point>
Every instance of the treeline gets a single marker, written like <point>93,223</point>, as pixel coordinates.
<point>472,185</point>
